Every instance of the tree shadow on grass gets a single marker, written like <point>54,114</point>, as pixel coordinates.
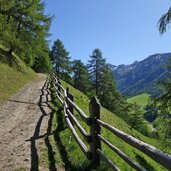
<point>144,163</point>
<point>9,59</point>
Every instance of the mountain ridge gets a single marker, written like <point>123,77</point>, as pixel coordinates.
<point>141,76</point>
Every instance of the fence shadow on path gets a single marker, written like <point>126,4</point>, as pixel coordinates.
<point>43,103</point>
<point>51,158</point>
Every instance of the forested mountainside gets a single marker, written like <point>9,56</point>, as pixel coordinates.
<point>141,77</point>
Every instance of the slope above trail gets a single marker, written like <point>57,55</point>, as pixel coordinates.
<point>24,124</point>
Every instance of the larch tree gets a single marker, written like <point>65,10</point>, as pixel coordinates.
<point>95,66</point>
<point>108,94</point>
<point>103,82</point>
<point>25,29</point>
<point>61,60</point>
<point>81,76</point>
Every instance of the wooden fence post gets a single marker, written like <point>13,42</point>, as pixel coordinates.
<point>70,107</point>
<point>94,109</point>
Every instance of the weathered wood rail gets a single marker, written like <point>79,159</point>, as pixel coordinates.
<point>95,154</point>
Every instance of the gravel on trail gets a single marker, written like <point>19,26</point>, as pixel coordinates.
<point>23,126</point>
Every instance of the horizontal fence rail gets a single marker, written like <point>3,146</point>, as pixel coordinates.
<point>80,112</point>
<point>81,129</point>
<point>77,138</point>
<point>156,154</point>
<point>122,155</point>
<point>95,153</point>
<point>106,159</point>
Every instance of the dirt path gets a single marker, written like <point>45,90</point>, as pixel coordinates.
<point>23,124</point>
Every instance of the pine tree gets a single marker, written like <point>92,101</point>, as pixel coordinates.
<point>81,77</point>
<point>95,66</point>
<point>103,82</point>
<point>60,59</point>
<point>108,94</point>
<point>42,62</point>
<point>135,117</point>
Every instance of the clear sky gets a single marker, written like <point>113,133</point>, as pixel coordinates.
<point>124,30</point>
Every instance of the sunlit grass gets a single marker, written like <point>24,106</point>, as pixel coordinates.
<point>75,158</point>
<point>142,99</point>
<point>13,77</point>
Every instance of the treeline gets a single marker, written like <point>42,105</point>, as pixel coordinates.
<point>96,78</point>
<point>24,29</point>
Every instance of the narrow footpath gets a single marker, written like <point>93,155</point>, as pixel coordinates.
<point>24,127</point>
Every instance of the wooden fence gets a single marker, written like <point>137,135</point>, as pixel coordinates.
<point>95,154</point>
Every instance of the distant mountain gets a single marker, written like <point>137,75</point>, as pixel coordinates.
<point>141,77</point>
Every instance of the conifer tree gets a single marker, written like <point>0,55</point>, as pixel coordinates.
<point>103,82</point>
<point>27,23</point>
<point>61,60</point>
<point>135,117</point>
<point>24,29</point>
<point>81,76</point>
<point>108,94</point>
<point>96,66</point>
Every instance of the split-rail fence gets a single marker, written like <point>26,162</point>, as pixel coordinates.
<point>94,139</point>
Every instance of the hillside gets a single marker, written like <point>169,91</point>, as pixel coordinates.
<point>72,157</point>
<point>141,77</point>
<point>141,100</point>
<point>13,74</point>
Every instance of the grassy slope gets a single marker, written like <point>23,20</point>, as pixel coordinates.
<point>70,155</point>
<point>13,75</point>
<point>141,99</point>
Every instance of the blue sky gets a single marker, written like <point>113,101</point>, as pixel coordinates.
<point>124,30</point>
